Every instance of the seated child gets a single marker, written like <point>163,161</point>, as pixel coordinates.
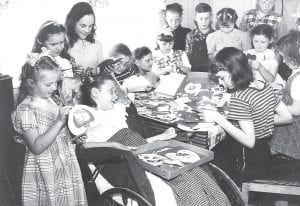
<point>166,59</point>
<point>124,67</point>
<point>99,94</point>
<point>228,35</point>
<point>145,78</point>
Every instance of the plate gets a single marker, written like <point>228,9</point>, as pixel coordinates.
<point>80,119</point>
<point>183,155</point>
<point>200,127</point>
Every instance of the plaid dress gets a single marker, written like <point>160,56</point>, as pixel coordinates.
<point>53,177</point>
<point>192,188</point>
<point>286,138</point>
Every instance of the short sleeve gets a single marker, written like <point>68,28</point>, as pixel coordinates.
<point>239,109</point>
<point>295,94</point>
<point>23,119</point>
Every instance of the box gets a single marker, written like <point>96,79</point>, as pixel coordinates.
<point>163,147</point>
<point>169,84</point>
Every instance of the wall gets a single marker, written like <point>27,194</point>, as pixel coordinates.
<point>189,8</point>
<point>241,6</point>
<point>134,22</point>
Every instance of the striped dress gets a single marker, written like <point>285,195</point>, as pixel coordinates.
<point>258,106</point>
<point>53,177</point>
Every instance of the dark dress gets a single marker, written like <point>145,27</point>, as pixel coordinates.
<point>180,37</point>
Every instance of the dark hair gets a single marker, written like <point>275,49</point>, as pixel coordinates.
<point>175,7</point>
<point>30,72</point>
<point>262,29</point>
<point>78,11</point>
<point>120,49</point>
<point>91,82</point>
<point>46,30</point>
<point>165,37</point>
<point>289,45</point>
<point>202,8</point>
<point>140,52</point>
<point>235,62</point>
<point>226,16</point>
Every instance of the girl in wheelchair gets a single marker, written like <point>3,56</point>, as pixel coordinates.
<point>108,129</point>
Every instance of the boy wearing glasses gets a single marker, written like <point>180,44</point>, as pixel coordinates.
<point>228,35</point>
<point>264,14</point>
<point>195,46</point>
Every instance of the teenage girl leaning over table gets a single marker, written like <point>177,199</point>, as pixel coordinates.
<point>252,113</point>
<point>51,174</point>
<point>81,26</point>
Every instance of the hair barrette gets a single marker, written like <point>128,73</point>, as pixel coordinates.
<point>49,22</point>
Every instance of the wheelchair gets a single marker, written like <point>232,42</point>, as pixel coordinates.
<point>132,198</point>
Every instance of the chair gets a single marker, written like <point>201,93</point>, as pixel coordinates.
<point>228,186</point>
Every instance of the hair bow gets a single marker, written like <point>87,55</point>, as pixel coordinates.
<point>32,58</point>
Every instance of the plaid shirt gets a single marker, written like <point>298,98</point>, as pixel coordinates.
<point>250,20</point>
<point>196,48</point>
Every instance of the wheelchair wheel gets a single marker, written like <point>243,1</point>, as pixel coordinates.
<point>127,196</point>
<point>228,186</point>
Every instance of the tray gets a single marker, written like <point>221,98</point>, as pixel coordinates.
<point>162,148</point>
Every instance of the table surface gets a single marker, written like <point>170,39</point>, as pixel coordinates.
<point>196,92</point>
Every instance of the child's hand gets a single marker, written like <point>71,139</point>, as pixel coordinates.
<point>170,133</point>
<point>209,115</point>
<point>80,139</point>
<point>63,113</point>
<point>254,64</point>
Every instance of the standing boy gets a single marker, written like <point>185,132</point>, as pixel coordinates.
<point>195,47</point>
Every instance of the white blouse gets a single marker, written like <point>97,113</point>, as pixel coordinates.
<point>87,54</point>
